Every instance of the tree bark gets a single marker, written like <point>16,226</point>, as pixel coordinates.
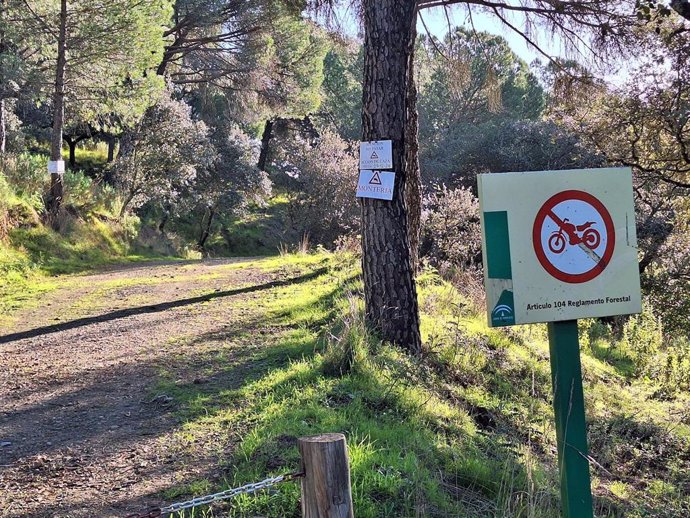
<point>3,126</point>
<point>389,286</point>
<point>206,228</point>
<point>72,144</point>
<point>265,143</point>
<point>126,202</point>
<point>72,152</point>
<point>164,219</point>
<point>3,107</point>
<point>413,185</point>
<point>56,184</point>
<point>111,148</point>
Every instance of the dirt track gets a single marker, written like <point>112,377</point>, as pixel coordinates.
<point>83,431</point>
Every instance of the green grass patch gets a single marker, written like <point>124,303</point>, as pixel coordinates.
<point>415,450</point>
<point>466,431</point>
<point>31,258</point>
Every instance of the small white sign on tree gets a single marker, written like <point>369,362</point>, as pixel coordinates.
<point>56,167</point>
<point>376,184</point>
<point>376,155</point>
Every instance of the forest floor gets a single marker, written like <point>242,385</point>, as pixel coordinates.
<point>84,429</point>
<point>147,384</point>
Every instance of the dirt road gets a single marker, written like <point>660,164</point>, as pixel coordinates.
<point>84,430</point>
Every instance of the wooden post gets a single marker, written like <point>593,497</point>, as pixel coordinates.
<point>326,490</point>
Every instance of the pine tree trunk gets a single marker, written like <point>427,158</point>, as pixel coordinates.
<point>206,222</point>
<point>413,184</point>
<point>389,286</point>
<point>111,148</point>
<point>164,220</point>
<point>56,184</point>
<point>72,153</point>
<point>265,143</point>
<point>3,126</point>
<point>3,106</point>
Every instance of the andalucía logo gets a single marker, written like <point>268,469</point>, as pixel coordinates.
<point>504,313</point>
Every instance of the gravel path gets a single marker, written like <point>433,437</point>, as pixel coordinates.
<point>82,430</point>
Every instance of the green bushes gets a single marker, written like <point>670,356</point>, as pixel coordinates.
<point>644,351</point>
<point>319,179</point>
<point>5,196</point>
<point>451,236</point>
<point>15,210</point>
<point>675,375</point>
<point>642,339</point>
<point>26,180</point>
<point>26,174</point>
<point>88,235</point>
<point>80,191</point>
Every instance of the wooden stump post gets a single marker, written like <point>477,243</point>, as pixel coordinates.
<point>326,490</point>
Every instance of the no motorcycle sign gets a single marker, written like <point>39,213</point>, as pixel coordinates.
<point>559,245</point>
<point>574,236</point>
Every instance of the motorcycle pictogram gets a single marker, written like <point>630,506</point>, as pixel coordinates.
<point>590,237</point>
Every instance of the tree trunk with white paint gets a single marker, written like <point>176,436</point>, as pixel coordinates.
<point>56,181</point>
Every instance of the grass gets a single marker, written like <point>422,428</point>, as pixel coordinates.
<point>466,431</point>
<point>31,254</point>
<point>30,258</point>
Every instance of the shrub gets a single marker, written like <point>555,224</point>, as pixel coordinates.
<point>349,346</point>
<point>642,340</point>
<point>675,375</point>
<point>451,236</point>
<point>667,281</point>
<point>5,197</point>
<point>26,173</point>
<point>160,156</point>
<point>321,179</point>
<point>80,191</point>
<point>226,186</point>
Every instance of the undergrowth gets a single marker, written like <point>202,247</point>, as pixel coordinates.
<point>88,234</point>
<point>464,431</point>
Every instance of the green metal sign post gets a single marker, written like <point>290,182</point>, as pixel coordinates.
<point>569,406</point>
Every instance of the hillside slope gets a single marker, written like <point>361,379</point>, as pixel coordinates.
<point>145,385</point>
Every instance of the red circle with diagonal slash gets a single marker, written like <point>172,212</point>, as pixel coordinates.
<point>546,211</point>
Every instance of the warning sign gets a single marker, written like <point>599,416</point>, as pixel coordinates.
<point>574,236</point>
<point>376,155</point>
<point>376,184</point>
<point>559,245</point>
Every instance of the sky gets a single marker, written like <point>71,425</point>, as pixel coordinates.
<point>437,24</point>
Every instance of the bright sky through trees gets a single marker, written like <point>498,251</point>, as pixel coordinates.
<point>436,21</point>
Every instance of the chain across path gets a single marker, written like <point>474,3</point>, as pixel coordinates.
<point>216,497</point>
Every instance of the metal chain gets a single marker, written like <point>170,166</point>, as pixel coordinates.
<point>223,495</point>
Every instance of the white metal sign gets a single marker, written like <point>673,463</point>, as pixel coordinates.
<point>376,184</point>
<point>56,166</point>
<point>376,155</point>
<point>559,245</point>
